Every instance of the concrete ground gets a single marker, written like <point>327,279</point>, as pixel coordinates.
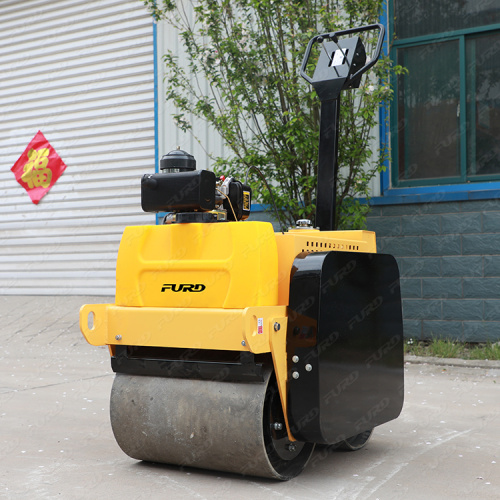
<point>56,440</point>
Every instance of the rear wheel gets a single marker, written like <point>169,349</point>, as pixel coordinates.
<point>356,442</point>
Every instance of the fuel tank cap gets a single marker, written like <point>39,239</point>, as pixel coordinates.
<point>303,224</point>
<point>177,161</point>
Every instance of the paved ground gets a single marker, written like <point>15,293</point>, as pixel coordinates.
<point>56,440</point>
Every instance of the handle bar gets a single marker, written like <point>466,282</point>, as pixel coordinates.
<point>334,36</point>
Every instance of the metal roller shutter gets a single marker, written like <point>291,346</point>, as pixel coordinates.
<point>83,74</point>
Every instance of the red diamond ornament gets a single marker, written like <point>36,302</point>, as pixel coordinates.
<point>38,168</point>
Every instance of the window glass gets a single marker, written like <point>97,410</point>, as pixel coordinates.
<point>428,112</point>
<point>483,104</point>
<point>425,17</point>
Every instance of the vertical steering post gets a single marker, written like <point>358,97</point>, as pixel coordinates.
<point>327,164</point>
<point>340,66</point>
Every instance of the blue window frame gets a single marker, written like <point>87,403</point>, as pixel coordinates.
<point>444,126</point>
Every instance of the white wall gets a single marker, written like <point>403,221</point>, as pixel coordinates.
<point>82,73</point>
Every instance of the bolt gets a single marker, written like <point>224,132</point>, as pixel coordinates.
<point>295,359</point>
<point>295,375</point>
<point>277,426</point>
<point>291,447</point>
<point>118,337</point>
<point>277,327</point>
<point>243,343</point>
<point>308,368</point>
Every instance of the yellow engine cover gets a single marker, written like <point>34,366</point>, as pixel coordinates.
<point>231,265</point>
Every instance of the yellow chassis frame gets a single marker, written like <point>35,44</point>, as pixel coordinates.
<point>195,328</point>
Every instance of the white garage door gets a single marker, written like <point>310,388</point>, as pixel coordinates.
<point>83,74</point>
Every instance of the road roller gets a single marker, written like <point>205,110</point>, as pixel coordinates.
<point>237,348</point>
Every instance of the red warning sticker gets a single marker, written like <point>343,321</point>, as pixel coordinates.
<point>260,325</point>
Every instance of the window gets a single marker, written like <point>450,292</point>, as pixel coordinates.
<point>446,118</point>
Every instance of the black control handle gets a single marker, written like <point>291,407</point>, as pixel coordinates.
<point>334,37</point>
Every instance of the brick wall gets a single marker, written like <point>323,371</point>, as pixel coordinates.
<point>449,259</point>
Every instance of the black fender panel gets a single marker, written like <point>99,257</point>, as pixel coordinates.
<point>344,345</point>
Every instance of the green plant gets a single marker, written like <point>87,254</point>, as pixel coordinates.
<point>242,76</point>
<point>485,351</point>
<point>445,348</point>
<point>414,347</point>
<point>450,349</point>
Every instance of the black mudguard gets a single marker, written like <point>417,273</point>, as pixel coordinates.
<point>344,345</point>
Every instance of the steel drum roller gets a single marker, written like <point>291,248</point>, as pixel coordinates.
<point>207,424</point>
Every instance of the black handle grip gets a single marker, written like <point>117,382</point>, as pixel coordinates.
<point>334,35</point>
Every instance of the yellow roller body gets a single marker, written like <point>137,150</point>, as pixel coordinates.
<point>220,283</point>
<point>232,265</point>
<point>220,286</point>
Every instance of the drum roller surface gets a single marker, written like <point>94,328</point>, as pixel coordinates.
<point>226,426</point>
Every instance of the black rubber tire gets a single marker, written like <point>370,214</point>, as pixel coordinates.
<point>356,442</point>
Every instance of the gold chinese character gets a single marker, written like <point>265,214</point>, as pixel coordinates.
<point>36,173</point>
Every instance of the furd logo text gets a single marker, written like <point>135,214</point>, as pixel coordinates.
<point>183,287</point>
